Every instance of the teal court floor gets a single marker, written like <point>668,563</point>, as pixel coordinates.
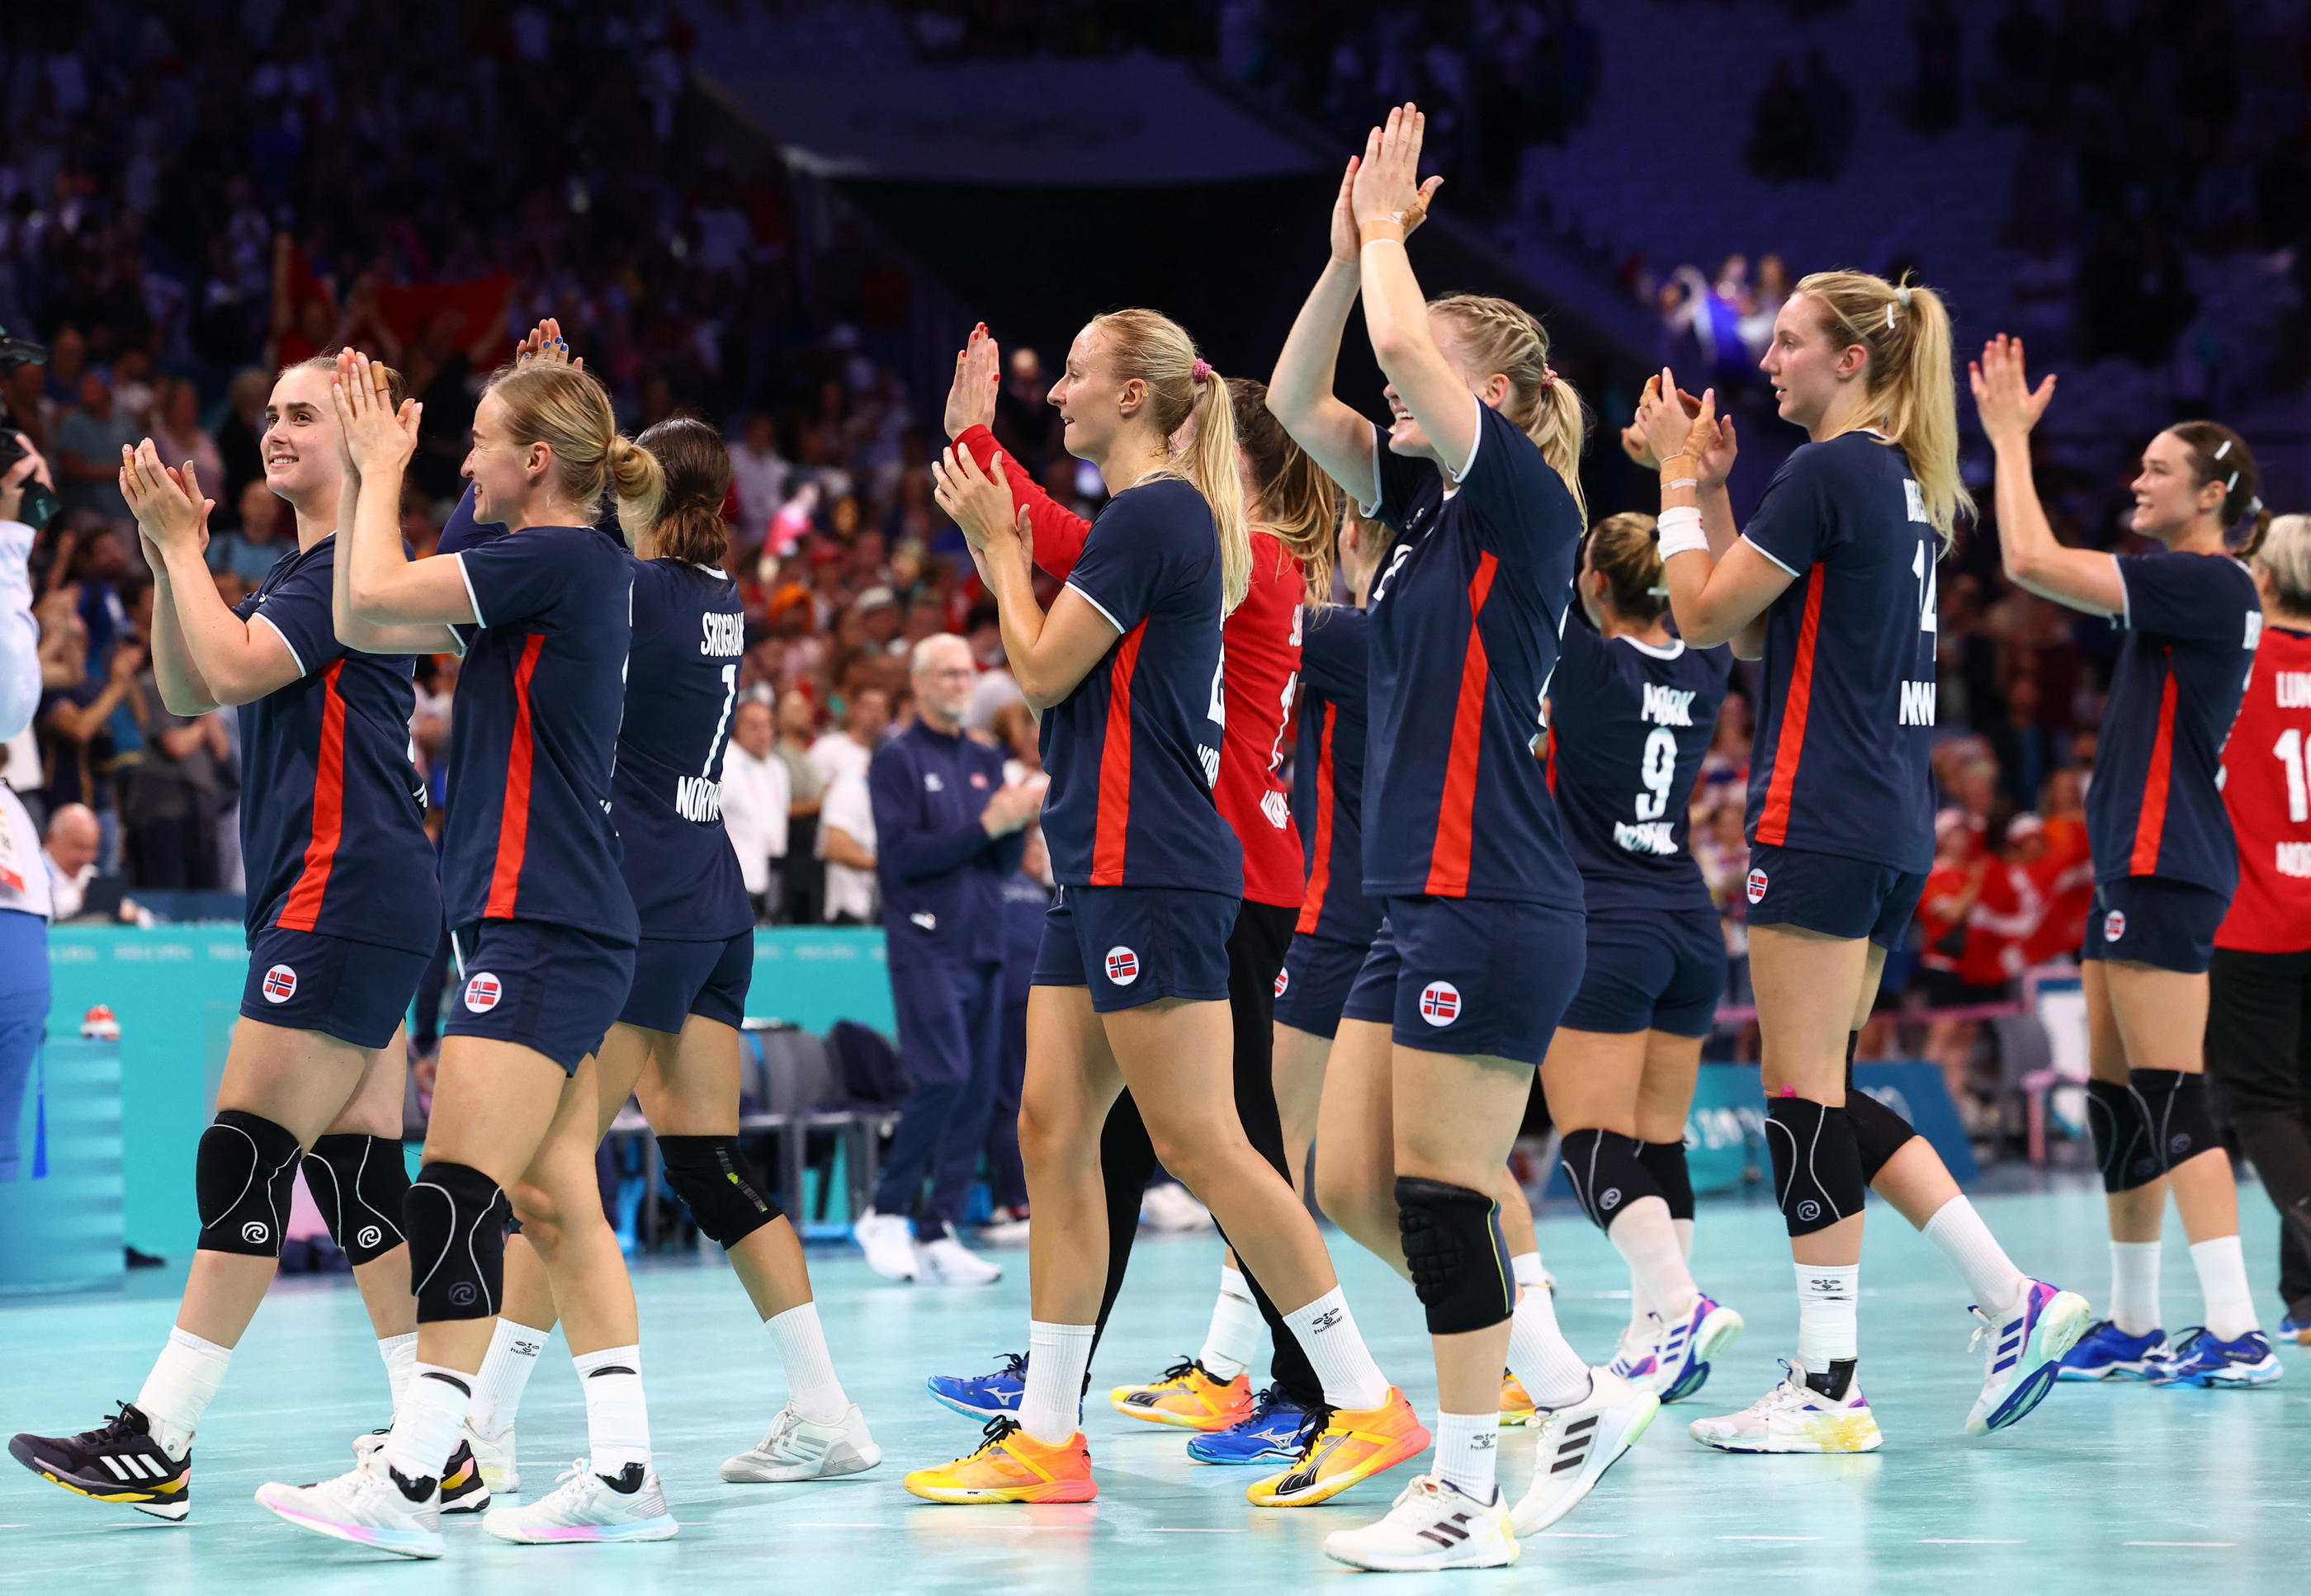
<point>2118,1490</point>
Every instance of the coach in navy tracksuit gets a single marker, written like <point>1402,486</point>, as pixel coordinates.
<point>948,831</point>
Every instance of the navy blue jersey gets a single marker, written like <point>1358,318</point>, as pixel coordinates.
<point>332,814</point>
<point>1839,762</point>
<point>1133,750</point>
<point>1465,617</point>
<point>1328,775</point>
<point>941,874</point>
<point>533,734</point>
<point>2154,807</point>
<point>1628,725</point>
<point>665,795</point>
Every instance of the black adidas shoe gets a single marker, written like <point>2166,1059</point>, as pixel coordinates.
<point>463,1489</point>
<point>120,1462</point>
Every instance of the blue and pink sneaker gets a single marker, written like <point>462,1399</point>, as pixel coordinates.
<point>1682,1359</point>
<point>2106,1352</point>
<point>1276,1432</point>
<point>983,1397</point>
<point>2025,1346</point>
<point>1635,1359</point>
<point>2199,1359</point>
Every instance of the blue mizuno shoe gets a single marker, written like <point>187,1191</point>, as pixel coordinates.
<point>983,1397</point>
<point>2199,1359</point>
<point>2105,1352</point>
<point>1277,1431</point>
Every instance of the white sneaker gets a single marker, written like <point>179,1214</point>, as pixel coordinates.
<point>1578,1444</point>
<point>889,1243</point>
<point>372,1505</point>
<point>948,1262</point>
<point>1432,1524</point>
<point>583,1505</point>
<point>1794,1416</point>
<point>1010,1230</point>
<point>495,1454</point>
<point>1172,1208</point>
<point>799,1448</point>
<point>2022,1353</point>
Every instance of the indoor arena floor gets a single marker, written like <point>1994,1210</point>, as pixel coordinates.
<point>2127,1488</point>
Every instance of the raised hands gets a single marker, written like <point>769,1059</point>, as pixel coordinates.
<point>166,502</point>
<point>1671,422</point>
<point>981,504</point>
<point>2003,398</point>
<point>546,346</point>
<point>377,438</point>
<point>1385,183</point>
<point>978,374</point>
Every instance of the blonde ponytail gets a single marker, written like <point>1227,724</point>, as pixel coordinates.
<point>566,408</point>
<point>1497,334</point>
<point>1181,388</point>
<point>1913,382</point>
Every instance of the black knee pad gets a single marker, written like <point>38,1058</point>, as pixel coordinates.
<point>1817,1166</point>
<point>455,1218</point>
<point>1665,1162</point>
<point>1459,1263</point>
<point>359,1182</point>
<point>1878,1132</point>
<point>717,1186</point>
<point>242,1178</point>
<point>2125,1143</point>
<point>1606,1173</point>
<point>2182,1127</point>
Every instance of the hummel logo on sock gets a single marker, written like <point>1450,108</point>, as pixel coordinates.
<point>1325,1321</point>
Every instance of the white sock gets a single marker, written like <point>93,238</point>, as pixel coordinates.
<point>1336,1349</point>
<point>1647,1239</point>
<point>1684,1239</point>
<point>505,1373</point>
<point>1967,1242</point>
<point>2222,1281</point>
<point>2135,1286</point>
<point>183,1379</point>
<point>425,1428</point>
<point>1551,1373</point>
<point>1234,1339</point>
<point>1640,1312</point>
<point>1827,1325</point>
<point>400,1355</point>
<point>1058,1355</point>
<point>1467,1450</point>
<point>617,1418</point>
<point>812,1389</point>
<point>1529,1274</point>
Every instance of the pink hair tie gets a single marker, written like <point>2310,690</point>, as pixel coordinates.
<point>1203,370</point>
<point>1548,374</point>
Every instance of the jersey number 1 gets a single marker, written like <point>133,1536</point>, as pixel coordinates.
<point>2290,751</point>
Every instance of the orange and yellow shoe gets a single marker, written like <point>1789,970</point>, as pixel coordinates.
<point>1010,1465</point>
<point>1354,1445</point>
<point>1189,1398</point>
<point>1516,1407</point>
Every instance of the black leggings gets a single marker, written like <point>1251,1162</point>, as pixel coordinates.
<point>1127,1159</point>
<point>2259,1055</point>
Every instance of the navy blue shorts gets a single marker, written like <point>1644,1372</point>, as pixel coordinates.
<point>2144,919</point>
<point>1132,944</point>
<point>1650,970</point>
<point>1832,894</point>
<point>1471,975</point>
<point>355,991</point>
<point>539,985</point>
<point>1314,985</point>
<point>675,979</point>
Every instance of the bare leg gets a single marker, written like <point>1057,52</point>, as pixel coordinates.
<point>1355,1141</point>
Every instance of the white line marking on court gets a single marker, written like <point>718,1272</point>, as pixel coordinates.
<point>1769,1538</point>
<point>2182,1543</point>
<point>1973,1543</point>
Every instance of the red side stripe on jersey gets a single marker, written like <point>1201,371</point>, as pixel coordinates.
<point>1448,859</point>
<point>302,910</point>
<point>513,819</point>
<point>1312,908</point>
<point>1773,824</point>
<point>1111,830</point>
<point>2151,823</point>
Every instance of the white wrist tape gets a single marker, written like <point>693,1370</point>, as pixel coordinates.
<point>1680,531</point>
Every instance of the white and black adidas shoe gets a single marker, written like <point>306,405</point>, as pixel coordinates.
<point>1432,1524</point>
<point>117,1463</point>
<point>1578,1444</point>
